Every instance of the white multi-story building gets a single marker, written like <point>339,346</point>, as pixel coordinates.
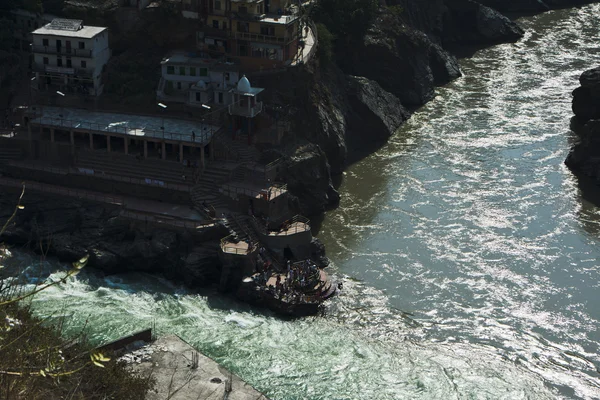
<point>70,56</point>
<point>195,80</point>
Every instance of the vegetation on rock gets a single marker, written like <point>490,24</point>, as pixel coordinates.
<point>36,362</point>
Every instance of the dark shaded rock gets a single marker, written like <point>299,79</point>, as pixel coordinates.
<point>376,115</point>
<point>584,156</point>
<point>586,98</point>
<point>309,180</point>
<point>71,229</point>
<point>467,22</point>
<point>516,5</point>
<point>317,253</point>
<point>404,60</point>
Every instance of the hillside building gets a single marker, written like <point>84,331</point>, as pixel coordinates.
<point>69,56</point>
<point>258,34</point>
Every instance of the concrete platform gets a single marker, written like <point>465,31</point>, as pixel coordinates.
<point>170,360</point>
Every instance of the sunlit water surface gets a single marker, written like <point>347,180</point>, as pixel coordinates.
<point>469,259</point>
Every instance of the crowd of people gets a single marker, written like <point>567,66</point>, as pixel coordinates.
<point>289,283</point>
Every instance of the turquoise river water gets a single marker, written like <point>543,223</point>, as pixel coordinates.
<point>469,258</point>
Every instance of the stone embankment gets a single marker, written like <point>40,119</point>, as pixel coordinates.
<point>584,157</point>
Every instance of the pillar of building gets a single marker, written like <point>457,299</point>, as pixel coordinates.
<point>145,148</point>
<point>202,156</point>
<point>108,143</point>
<point>52,135</point>
<point>72,135</point>
<point>126,141</point>
<point>181,152</point>
<point>91,141</point>
<point>164,151</point>
<point>249,130</point>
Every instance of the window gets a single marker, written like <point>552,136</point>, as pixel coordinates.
<point>203,71</point>
<point>81,45</point>
<point>216,23</point>
<point>221,97</point>
<point>242,26</point>
<point>45,42</point>
<point>170,69</point>
<point>45,60</point>
<point>83,64</point>
<point>58,44</point>
<point>224,25</point>
<point>198,97</point>
<point>59,62</point>
<point>267,30</point>
<point>179,85</point>
<point>217,5</point>
<point>192,71</point>
<point>243,50</point>
<point>182,71</point>
<point>69,65</point>
<point>226,76</point>
<point>243,10</point>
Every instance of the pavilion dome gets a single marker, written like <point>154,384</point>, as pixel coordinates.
<point>244,85</point>
<point>201,84</point>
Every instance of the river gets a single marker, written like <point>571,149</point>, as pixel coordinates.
<point>469,258</point>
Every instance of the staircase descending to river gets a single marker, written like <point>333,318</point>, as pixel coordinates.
<point>241,228</point>
<point>206,188</point>
<point>238,150</point>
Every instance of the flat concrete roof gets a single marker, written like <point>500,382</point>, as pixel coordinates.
<point>126,124</point>
<point>170,361</point>
<point>87,32</point>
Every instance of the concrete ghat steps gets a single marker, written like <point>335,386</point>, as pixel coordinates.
<point>131,167</point>
<point>10,154</point>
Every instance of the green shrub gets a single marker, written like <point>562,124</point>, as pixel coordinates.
<point>326,39</point>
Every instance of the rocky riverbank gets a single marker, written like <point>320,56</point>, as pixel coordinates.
<point>70,229</point>
<point>340,114</point>
<point>584,157</point>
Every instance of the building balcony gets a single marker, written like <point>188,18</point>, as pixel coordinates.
<point>81,72</point>
<point>245,111</point>
<point>86,53</point>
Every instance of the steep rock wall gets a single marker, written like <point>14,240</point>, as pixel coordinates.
<point>584,157</point>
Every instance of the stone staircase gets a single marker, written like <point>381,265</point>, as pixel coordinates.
<point>241,228</point>
<point>129,166</point>
<point>8,154</point>
<point>239,149</point>
<point>206,187</point>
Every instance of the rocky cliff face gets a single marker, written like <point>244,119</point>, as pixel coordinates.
<point>347,112</point>
<point>584,157</point>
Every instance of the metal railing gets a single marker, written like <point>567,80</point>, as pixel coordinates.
<point>137,181</point>
<point>264,38</point>
<point>229,189</point>
<point>296,224</point>
<point>63,123</point>
<point>87,53</point>
<point>226,247</point>
<point>165,220</point>
<point>60,190</point>
<point>244,111</point>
